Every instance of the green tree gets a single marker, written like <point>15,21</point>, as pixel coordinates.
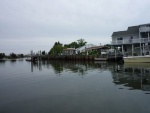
<point>81,42</point>
<point>71,45</point>
<point>20,55</point>
<point>43,52</point>
<point>2,55</point>
<point>13,55</point>
<point>56,49</point>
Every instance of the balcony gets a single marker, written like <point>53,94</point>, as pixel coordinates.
<point>130,41</point>
<point>144,29</point>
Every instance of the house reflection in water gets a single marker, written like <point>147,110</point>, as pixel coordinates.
<point>135,76</point>
<point>131,76</point>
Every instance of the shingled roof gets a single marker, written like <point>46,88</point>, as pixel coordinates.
<point>130,30</point>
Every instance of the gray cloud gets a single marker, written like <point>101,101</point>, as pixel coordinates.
<point>65,21</point>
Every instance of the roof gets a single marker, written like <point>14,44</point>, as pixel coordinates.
<point>85,46</point>
<point>69,49</point>
<point>129,31</point>
<point>144,24</point>
<point>97,47</point>
<point>100,47</point>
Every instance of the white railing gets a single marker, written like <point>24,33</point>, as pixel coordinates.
<point>131,41</point>
<point>144,29</point>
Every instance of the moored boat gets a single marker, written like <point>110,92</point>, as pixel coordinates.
<point>30,59</point>
<point>110,55</point>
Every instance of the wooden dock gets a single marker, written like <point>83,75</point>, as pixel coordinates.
<point>67,57</point>
<point>100,59</point>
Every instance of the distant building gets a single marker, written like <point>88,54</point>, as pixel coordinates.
<point>83,48</point>
<point>90,47</point>
<point>69,51</point>
<point>136,39</point>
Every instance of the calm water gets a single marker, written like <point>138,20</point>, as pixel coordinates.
<point>74,87</point>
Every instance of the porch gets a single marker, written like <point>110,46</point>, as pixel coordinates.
<point>130,41</point>
<point>136,49</point>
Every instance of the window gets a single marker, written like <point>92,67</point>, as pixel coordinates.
<point>120,38</point>
<point>130,40</point>
<point>147,25</point>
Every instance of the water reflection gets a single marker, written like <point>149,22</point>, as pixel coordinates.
<point>2,61</point>
<point>12,62</point>
<point>73,86</point>
<point>132,76</point>
<point>36,65</point>
<point>81,68</point>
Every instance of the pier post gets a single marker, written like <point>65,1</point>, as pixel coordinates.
<point>132,49</point>
<point>122,50</point>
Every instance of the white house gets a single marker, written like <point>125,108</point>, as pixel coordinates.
<point>136,39</point>
<point>83,48</point>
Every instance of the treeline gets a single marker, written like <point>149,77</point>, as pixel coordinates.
<point>2,55</point>
<point>55,50</point>
<point>11,55</point>
<point>58,47</point>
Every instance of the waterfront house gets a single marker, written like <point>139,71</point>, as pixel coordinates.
<point>133,41</point>
<point>92,48</point>
<point>99,49</point>
<point>83,48</point>
<point>69,51</point>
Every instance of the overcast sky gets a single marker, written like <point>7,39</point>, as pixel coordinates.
<point>37,24</point>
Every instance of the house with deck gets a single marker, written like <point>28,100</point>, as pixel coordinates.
<point>133,41</point>
<point>84,48</point>
<point>88,48</point>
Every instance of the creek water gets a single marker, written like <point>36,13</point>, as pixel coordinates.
<point>74,87</point>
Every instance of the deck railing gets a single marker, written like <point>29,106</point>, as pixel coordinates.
<point>131,41</point>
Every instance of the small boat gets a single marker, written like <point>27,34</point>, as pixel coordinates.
<point>137,59</point>
<point>110,55</point>
<point>102,57</point>
<point>30,59</point>
<point>20,59</point>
